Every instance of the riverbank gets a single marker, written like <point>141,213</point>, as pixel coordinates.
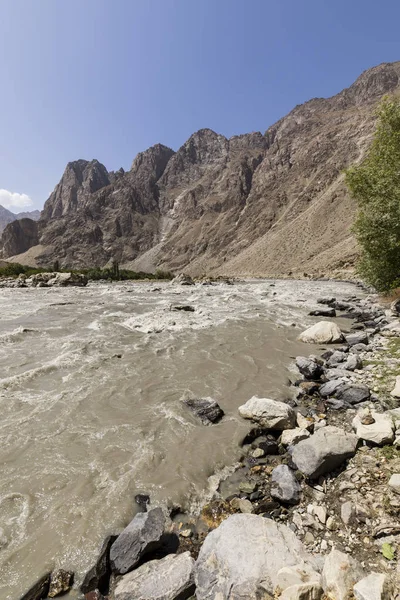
<point>340,508</point>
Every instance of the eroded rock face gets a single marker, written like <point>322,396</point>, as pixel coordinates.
<point>203,208</point>
<point>19,236</point>
<point>268,413</point>
<point>242,558</point>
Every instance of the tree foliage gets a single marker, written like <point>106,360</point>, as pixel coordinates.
<point>375,184</point>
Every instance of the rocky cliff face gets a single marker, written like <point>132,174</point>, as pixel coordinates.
<point>253,204</point>
<point>19,236</point>
<point>6,216</point>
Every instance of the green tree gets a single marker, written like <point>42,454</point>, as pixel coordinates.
<point>375,184</point>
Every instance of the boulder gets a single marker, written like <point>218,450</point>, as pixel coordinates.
<point>374,427</point>
<point>358,348</point>
<point>309,367</point>
<point>183,279</point>
<point>268,413</point>
<point>352,363</point>
<point>242,504</point>
<point>298,574</point>
<point>242,557</point>
<point>359,337</point>
<point>141,536</point>
<point>284,485</point>
<point>376,586</point>
<point>323,332</point>
<point>323,312</point>
<point>68,279</point>
<point>395,307</point>
<point>166,579</point>
<point>336,358</point>
<point>339,575</point>
<point>394,482</point>
<point>60,582</point>
<point>39,590</point>
<point>294,436</point>
<point>332,374</point>
<point>326,300</point>
<point>324,451</point>
<point>329,388</point>
<point>353,393</point>
<point>99,575</point>
<point>207,409</point>
<point>303,591</point>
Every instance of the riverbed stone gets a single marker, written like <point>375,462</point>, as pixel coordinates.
<point>284,485</point>
<point>142,536</point>
<point>339,575</point>
<point>169,578</point>
<point>242,557</point>
<point>39,590</point>
<point>329,388</point>
<point>324,451</point>
<point>242,504</point>
<point>323,332</point>
<point>353,393</point>
<point>310,367</point>
<point>290,437</point>
<point>99,574</point>
<point>323,312</point>
<point>60,582</point>
<point>378,428</point>
<point>336,358</point>
<point>376,586</point>
<point>358,337</point>
<point>396,390</point>
<point>352,363</point>
<point>268,413</point>
<point>207,409</point>
<point>394,482</point>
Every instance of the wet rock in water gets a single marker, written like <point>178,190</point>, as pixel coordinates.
<point>242,505</point>
<point>215,512</point>
<point>294,436</point>
<point>310,367</point>
<point>353,394</point>
<point>376,586</point>
<point>361,337</point>
<point>309,387</point>
<point>241,559</point>
<point>268,413</point>
<point>379,432</point>
<point>183,307</point>
<point>60,582</point>
<point>339,575</point>
<point>142,500</point>
<point>394,483</point>
<point>323,332</point>
<point>68,279</point>
<point>323,312</point>
<point>207,409</point>
<point>99,575</point>
<point>166,579</point>
<point>395,307</point>
<point>326,300</point>
<point>284,485</point>
<point>183,279</point>
<point>268,444</point>
<point>142,536</point>
<point>396,390</point>
<point>329,388</point>
<point>39,590</point>
<point>324,451</point>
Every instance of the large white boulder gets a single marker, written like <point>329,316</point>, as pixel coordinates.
<point>376,586</point>
<point>243,556</point>
<point>339,575</point>
<point>268,413</point>
<point>374,427</point>
<point>323,332</point>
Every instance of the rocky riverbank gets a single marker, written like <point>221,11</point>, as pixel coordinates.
<point>311,510</point>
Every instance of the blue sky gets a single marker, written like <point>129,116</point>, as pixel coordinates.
<point>106,79</point>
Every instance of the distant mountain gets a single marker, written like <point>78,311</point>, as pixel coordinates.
<point>6,216</point>
<point>255,204</point>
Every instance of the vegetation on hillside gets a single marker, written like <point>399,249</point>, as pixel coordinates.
<point>113,273</point>
<point>375,184</point>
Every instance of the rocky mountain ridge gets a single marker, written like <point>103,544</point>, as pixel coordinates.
<point>254,204</point>
<point>6,216</point>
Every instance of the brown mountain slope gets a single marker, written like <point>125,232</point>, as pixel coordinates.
<point>249,205</point>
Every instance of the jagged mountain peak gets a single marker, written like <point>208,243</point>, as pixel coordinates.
<point>152,162</point>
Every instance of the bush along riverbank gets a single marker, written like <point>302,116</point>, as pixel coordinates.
<point>312,510</point>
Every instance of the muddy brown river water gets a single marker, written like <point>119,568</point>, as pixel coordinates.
<point>91,388</point>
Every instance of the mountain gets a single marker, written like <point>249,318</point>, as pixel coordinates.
<point>253,204</point>
<point>6,216</point>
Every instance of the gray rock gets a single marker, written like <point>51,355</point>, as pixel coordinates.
<point>242,557</point>
<point>39,590</point>
<point>167,579</point>
<point>141,536</point>
<point>329,388</point>
<point>348,513</point>
<point>359,337</point>
<point>309,367</point>
<point>353,394</point>
<point>394,482</point>
<point>352,363</point>
<point>268,413</point>
<point>332,374</point>
<point>323,332</point>
<point>207,409</point>
<point>376,586</point>
<point>294,436</point>
<point>241,504</point>
<point>98,576</point>
<point>324,451</point>
<point>298,574</point>
<point>336,358</point>
<point>339,575</point>
<point>323,312</point>
<point>284,485</point>
<point>358,348</point>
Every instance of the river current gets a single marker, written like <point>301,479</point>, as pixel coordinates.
<point>91,388</point>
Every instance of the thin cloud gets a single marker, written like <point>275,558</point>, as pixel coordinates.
<point>13,200</point>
